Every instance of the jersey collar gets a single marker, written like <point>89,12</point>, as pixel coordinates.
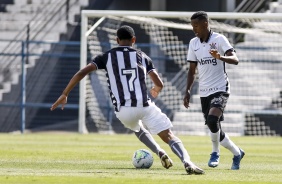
<point>210,33</point>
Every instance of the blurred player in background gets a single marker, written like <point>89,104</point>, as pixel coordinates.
<point>126,70</point>
<point>208,52</point>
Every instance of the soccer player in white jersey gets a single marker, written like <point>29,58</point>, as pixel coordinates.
<point>208,53</point>
<point>126,69</point>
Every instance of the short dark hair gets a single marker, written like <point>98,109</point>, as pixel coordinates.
<point>125,32</point>
<point>200,15</point>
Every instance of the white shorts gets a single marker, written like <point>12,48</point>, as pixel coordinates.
<point>151,117</point>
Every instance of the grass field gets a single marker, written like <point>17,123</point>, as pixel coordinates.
<point>67,158</point>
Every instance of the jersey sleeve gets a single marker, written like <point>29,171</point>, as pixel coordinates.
<point>100,61</point>
<point>225,44</point>
<point>191,56</point>
<point>149,63</point>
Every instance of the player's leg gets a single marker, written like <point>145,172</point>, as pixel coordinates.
<point>226,142</point>
<point>213,124</point>
<point>146,138</point>
<point>130,118</point>
<point>152,118</point>
<point>158,123</point>
<point>213,107</point>
<point>218,103</point>
<point>175,144</point>
<point>238,153</point>
<point>178,149</point>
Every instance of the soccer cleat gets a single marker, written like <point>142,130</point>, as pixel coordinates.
<point>193,169</point>
<point>214,160</point>
<point>166,161</point>
<point>237,160</point>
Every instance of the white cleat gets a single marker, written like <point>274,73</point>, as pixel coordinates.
<point>166,161</point>
<point>193,169</point>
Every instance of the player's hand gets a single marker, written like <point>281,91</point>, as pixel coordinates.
<point>62,100</point>
<point>215,53</point>
<point>186,100</point>
<point>154,92</point>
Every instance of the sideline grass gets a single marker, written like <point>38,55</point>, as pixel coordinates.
<point>73,158</point>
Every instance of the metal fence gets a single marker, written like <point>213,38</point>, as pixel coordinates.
<point>22,93</point>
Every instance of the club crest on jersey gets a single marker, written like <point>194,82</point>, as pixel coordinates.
<point>213,46</point>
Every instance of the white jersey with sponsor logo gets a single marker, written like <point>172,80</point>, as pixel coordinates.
<point>212,75</point>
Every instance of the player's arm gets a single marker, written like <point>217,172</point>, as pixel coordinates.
<point>158,83</point>
<point>230,56</point>
<point>62,100</point>
<point>190,80</point>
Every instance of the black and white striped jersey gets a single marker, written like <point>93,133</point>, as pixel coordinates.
<point>126,70</point>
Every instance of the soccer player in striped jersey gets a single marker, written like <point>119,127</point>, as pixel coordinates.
<point>209,52</point>
<point>126,69</point>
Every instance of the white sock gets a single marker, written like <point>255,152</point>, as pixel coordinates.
<point>215,141</point>
<point>228,144</point>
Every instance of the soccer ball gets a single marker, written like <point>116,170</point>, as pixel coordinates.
<point>142,159</point>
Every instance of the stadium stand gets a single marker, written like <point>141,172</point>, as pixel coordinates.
<point>264,80</point>
<point>44,23</point>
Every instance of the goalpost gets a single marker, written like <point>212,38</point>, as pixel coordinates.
<point>255,36</point>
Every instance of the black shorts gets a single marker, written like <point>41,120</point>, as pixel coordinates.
<point>218,100</point>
